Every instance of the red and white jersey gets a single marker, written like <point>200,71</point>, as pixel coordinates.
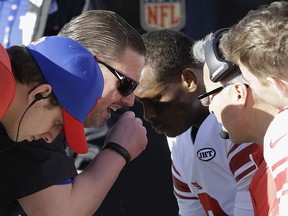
<point>211,176</point>
<point>276,157</point>
<point>262,190</point>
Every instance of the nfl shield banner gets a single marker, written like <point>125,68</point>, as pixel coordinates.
<point>162,14</point>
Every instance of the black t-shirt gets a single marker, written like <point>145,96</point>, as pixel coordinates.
<point>28,167</point>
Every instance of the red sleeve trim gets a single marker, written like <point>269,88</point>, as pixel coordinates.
<point>185,197</point>
<point>242,157</point>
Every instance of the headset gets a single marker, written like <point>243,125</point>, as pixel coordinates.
<point>38,97</point>
<point>219,68</point>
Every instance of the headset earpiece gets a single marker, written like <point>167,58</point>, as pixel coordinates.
<point>38,97</point>
<point>219,68</point>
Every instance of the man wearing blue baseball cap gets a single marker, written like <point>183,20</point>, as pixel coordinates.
<point>58,83</point>
<point>62,93</point>
<point>76,81</point>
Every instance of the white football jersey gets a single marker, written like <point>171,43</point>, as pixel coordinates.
<point>211,176</point>
<point>276,157</point>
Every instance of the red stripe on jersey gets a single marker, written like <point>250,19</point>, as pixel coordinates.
<point>211,205</point>
<point>258,156</point>
<point>284,192</point>
<point>263,192</point>
<point>279,163</point>
<point>242,157</point>
<point>175,170</point>
<point>246,172</point>
<point>235,146</point>
<point>281,179</point>
<point>185,197</point>
<point>283,109</point>
<point>179,185</point>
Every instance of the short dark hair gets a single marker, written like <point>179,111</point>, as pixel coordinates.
<point>168,53</point>
<point>26,70</point>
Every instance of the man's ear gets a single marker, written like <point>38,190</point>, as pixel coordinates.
<point>280,85</point>
<point>189,79</point>
<point>240,93</point>
<point>43,89</point>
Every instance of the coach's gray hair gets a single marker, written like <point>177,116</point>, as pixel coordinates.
<point>198,49</point>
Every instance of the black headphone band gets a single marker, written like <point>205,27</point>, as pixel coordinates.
<point>219,68</point>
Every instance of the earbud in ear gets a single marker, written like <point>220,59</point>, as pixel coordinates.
<point>38,97</point>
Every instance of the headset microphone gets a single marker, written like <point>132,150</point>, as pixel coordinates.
<point>224,134</point>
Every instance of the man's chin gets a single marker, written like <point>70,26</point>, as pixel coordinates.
<point>88,123</point>
<point>169,134</point>
<point>158,131</point>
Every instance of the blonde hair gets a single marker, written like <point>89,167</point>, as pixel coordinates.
<point>260,41</point>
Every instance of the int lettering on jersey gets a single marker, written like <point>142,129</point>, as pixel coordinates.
<point>206,154</point>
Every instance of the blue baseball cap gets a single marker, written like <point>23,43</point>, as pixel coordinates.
<point>76,81</point>
<point>7,82</point>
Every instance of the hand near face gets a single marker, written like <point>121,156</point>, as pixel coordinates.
<point>130,133</point>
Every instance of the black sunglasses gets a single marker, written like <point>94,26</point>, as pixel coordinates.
<point>126,85</point>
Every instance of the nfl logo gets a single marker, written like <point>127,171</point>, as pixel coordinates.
<point>162,14</point>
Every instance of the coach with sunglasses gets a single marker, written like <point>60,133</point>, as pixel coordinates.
<point>55,188</point>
